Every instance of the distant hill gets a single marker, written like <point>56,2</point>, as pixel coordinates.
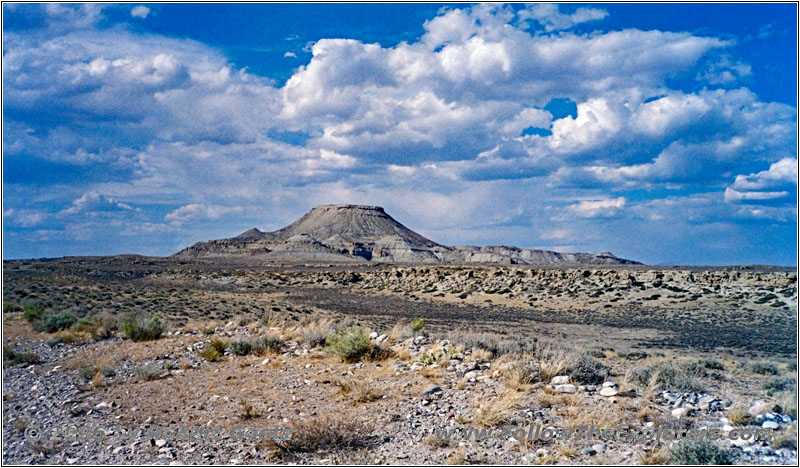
<point>367,233</point>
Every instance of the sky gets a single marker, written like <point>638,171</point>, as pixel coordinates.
<point>663,133</point>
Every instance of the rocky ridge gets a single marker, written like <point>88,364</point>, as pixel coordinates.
<point>367,233</point>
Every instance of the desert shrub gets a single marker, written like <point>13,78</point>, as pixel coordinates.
<point>527,345</point>
<point>54,322</point>
<point>328,433</point>
<point>218,345</point>
<point>11,307</point>
<point>33,312</point>
<point>210,354</point>
<point>265,344</point>
<point>666,375</point>
<point>586,369</point>
<point>762,368</point>
<point>698,452</point>
<point>25,358</point>
<point>633,355</point>
<point>777,384</point>
<point>150,371</point>
<point>711,364</point>
<point>352,344</point>
<point>87,372</point>
<point>240,348</point>
<point>54,341</point>
<point>417,325</point>
<point>142,328</point>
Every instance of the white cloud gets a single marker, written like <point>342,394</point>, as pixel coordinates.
<point>93,201</point>
<point>549,16</point>
<point>199,212</point>
<point>780,173</point>
<point>598,208</point>
<point>732,195</point>
<point>140,11</point>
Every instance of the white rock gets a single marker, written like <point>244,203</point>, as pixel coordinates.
<point>373,335</point>
<point>770,425</point>
<point>599,448</point>
<point>566,388</point>
<point>608,391</point>
<point>679,412</point>
<point>560,380</point>
<point>265,362</point>
<point>161,443</point>
<point>609,384</point>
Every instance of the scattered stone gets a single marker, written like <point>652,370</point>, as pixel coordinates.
<point>566,388</point>
<point>679,412</point>
<point>608,391</point>
<point>559,380</point>
<point>599,448</point>
<point>433,388</point>
<point>770,425</point>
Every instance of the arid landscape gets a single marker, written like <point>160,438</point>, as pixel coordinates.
<point>399,233</point>
<point>365,361</point>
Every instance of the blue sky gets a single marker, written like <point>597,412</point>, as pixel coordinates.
<point>664,133</point>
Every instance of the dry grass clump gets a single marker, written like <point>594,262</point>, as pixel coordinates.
<point>437,442</point>
<point>457,457</point>
<point>480,354</point>
<point>497,410</point>
<point>316,332</point>
<point>668,375</point>
<point>359,391</point>
<point>738,414</point>
<point>520,374</point>
<point>327,432</point>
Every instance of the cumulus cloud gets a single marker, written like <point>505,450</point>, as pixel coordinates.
<point>140,11</point>
<point>597,208</point>
<point>549,16</point>
<point>783,172</point>
<point>176,123</point>
<point>197,211</point>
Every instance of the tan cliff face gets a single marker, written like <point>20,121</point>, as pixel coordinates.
<point>367,233</point>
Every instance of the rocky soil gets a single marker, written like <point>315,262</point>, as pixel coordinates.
<point>402,403</point>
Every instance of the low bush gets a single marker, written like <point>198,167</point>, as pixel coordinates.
<point>218,345</point>
<point>55,322</point>
<point>698,452</point>
<point>210,354</point>
<point>142,328</point>
<point>240,348</point>
<point>762,368</point>
<point>352,344</point>
<point>33,312</point>
<point>266,344</point>
<point>328,433</point>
